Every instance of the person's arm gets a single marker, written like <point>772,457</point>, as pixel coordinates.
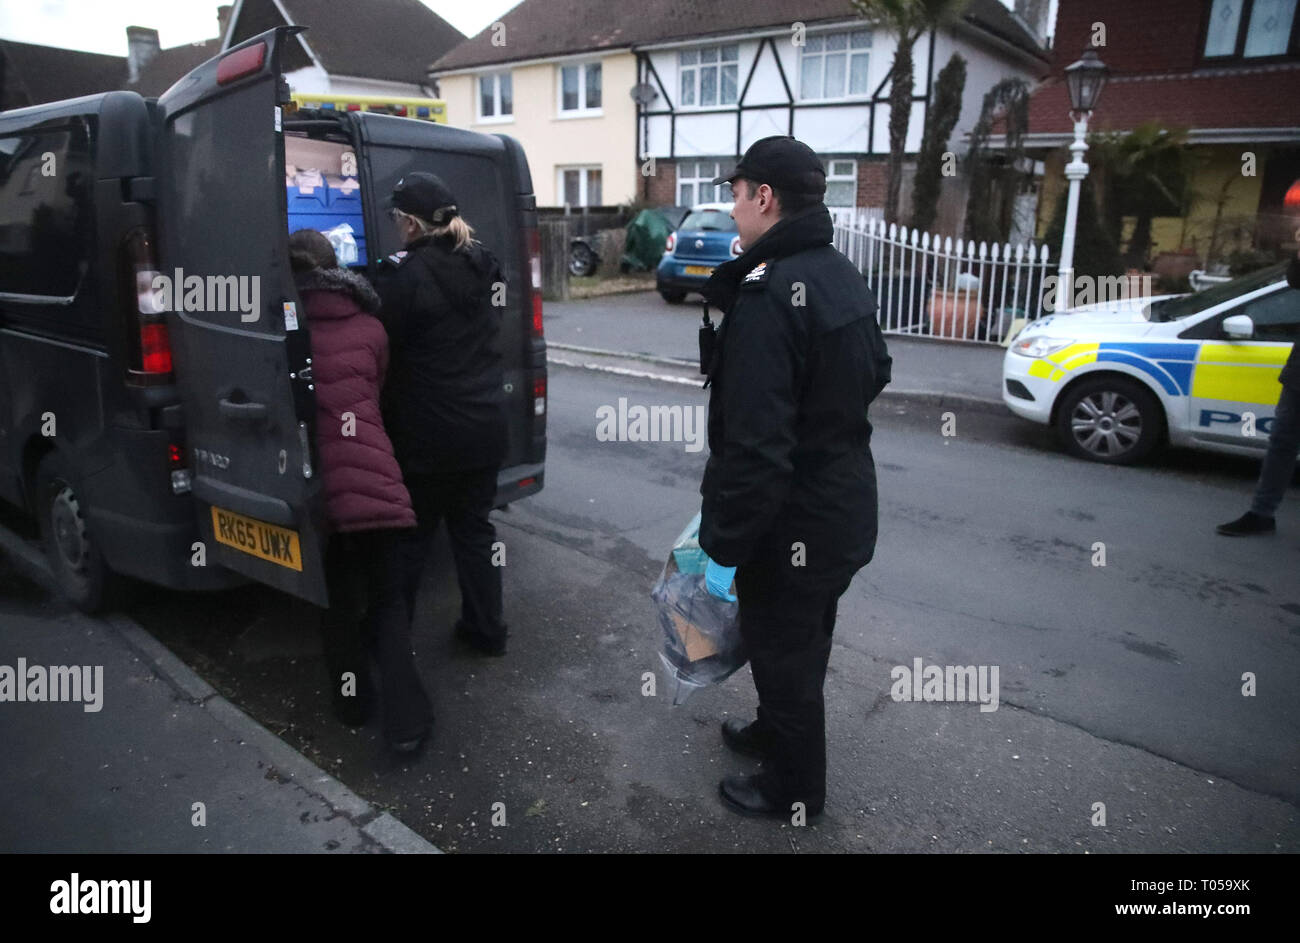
<point>763,369</point>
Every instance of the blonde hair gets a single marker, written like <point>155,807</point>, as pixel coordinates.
<point>461,231</point>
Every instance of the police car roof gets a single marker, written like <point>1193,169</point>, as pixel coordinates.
<point>713,206</point>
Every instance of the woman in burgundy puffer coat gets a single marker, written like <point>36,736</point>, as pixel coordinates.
<point>367,504</point>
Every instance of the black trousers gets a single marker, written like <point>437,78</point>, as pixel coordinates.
<point>787,630</point>
<point>364,578</point>
<point>464,500</point>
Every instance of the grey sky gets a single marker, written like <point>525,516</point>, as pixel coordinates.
<point>100,25</point>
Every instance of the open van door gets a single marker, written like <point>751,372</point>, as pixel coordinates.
<point>238,333</point>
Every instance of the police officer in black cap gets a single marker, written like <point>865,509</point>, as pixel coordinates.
<point>789,491</point>
<point>443,400</point>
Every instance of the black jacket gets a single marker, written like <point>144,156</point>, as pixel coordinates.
<point>443,401</point>
<point>1290,375</point>
<point>789,441</point>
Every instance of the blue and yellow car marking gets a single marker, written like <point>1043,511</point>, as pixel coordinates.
<point>1203,369</point>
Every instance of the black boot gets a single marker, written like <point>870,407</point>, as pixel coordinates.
<point>746,795</point>
<point>746,739</point>
<point>1248,525</point>
<point>479,642</point>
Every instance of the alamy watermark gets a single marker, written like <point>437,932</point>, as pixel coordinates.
<point>181,292</point>
<point>946,683</point>
<point>637,423</point>
<point>82,684</point>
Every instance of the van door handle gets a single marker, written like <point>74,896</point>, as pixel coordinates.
<point>241,412</point>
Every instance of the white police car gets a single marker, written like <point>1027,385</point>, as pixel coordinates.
<point>1199,370</point>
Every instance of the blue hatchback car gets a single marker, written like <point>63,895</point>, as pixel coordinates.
<point>706,238</point>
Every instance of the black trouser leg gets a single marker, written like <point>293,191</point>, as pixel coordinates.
<point>406,708</point>
<point>472,535</point>
<point>788,635</point>
<point>341,641</point>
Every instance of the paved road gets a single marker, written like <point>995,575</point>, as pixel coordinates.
<point>1119,684</point>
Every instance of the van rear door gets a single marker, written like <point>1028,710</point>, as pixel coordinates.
<point>484,172</point>
<point>237,330</point>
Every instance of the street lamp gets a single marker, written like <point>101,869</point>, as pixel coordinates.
<point>1084,80</point>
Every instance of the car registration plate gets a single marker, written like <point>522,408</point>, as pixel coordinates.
<point>257,538</point>
<point>698,270</point>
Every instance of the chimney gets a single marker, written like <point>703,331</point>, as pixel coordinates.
<point>1035,14</point>
<point>141,48</point>
<point>223,19</point>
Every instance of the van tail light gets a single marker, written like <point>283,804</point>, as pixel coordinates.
<point>672,242</point>
<point>149,354</point>
<point>179,468</point>
<point>539,396</point>
<point>533,243</point>
<point>235,65</point>
<point>735,246</point>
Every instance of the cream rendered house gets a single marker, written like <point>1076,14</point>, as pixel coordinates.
<point>712,76</point>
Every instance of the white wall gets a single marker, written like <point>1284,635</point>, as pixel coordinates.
<point>313,80</point>
<point>829,130</point>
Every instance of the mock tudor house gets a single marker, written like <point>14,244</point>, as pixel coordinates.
<point>711,77</point>
<point>1228,71</point>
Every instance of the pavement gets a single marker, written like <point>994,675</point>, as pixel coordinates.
<point>165,764</point>
<point>595,334</point>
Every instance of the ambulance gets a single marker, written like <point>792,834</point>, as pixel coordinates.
<point>1117,380</point>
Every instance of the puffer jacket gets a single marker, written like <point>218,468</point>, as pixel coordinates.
<point>363,484</point>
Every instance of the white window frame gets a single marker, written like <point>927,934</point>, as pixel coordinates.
<point>584,179</point>
<point>582,111</point>
<point>693,71</point>
<point>828,164</point>
<point>1241,39</point>
<point>497,117</point>
<point>849,52</point>
<point>722,165</point>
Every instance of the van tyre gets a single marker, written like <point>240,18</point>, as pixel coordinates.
<point>75,561</point>
<point>673,297</point>
<point>1110,419</point>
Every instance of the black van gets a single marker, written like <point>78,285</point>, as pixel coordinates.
<point>167,435</point>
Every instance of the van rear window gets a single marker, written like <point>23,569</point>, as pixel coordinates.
<point>46,211</point>
<point>324,193</point>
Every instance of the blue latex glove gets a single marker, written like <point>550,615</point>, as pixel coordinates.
<point>717,579</point>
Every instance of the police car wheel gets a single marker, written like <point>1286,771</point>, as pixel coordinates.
<point>1111,420</point>
<point>75,561</point>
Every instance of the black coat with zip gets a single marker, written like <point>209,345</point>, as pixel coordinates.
<point>799,357</point>
<point>443,403</point>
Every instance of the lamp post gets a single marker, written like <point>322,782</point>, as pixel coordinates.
<point>1084,80</point>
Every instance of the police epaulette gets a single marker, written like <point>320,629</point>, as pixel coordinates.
<point>758,274</point>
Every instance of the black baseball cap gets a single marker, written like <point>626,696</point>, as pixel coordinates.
<point>424,195</point>
<point>782,163</point>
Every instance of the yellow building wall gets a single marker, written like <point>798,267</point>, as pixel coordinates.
<point>1217,177</point>
<point>607,141</point>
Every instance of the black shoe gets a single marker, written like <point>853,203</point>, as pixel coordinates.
<point>744,794</point>
<point>354,710</point>
<point>409,746</point>
<point>743,738</point>
<point>1248,525</point>
<point>479,642</point>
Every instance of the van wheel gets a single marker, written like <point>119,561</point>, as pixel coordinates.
<point>78,567</point>
<point>1110,419</point>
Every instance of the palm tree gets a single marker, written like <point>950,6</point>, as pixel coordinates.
<point>909,20</point>
<point>1146,172</point>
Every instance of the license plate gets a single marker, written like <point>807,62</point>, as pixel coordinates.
<point>698,270</point>
<point>257,538</point>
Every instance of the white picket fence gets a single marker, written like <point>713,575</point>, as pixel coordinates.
<point>932,286</point>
